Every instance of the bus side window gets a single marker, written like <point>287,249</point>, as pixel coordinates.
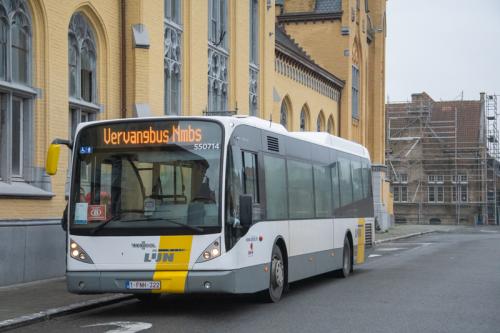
<point>367,180</point>
<point>250,175</point>
<point>300,190</point>
<point>233,184</point>
<point>276,188</point>
<point>335,185</point>
<point>357,180</point>
<point>322,191</point>
<point>345,182</point>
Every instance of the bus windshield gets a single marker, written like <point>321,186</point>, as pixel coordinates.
<point>147,178</point>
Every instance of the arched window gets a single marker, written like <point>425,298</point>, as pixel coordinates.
<point>82,71</point>
<point>285,113</point>
<point>304,119</point>
<point>253,74</point>
<point>218,55</point>
<point>20,38</point>
<point>331,126</point>
<point>16,101</point>
<point>356,80</point>
<point>173,56</point>
<point>320,122</point>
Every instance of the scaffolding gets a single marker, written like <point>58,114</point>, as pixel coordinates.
<point>443,158</point>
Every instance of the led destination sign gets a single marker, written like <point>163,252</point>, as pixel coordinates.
<point>176,134</point>
<point>147,134</point>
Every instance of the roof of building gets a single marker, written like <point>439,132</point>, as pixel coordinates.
<point>328,6</point>
<point>442,115</point>
<point>324,10</point>
<point>287,45</point>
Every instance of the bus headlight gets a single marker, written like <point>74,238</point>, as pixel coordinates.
<point>78,253</point>
<point>211,252</point>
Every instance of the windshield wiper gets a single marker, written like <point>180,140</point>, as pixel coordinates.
<point>103,224</point>
<point>173,222</point>
<point>118,216</point>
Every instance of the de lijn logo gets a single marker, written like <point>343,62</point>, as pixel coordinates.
<point>161,255</point>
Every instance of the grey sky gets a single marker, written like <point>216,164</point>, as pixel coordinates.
<point>442,47</point>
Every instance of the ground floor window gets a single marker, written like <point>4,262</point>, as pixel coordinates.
<point>15,136</point>
<point>400,193</point>
<point>436,193</point>
<point>77,116</point>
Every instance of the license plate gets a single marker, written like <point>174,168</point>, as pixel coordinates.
<point>145,285</point>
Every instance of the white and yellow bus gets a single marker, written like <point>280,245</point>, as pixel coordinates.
<point>211,204</point>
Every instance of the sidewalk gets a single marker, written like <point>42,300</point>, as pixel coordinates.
<point>400,231</point>
<point>41,300</point>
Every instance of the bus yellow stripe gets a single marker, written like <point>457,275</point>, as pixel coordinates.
<point>173,274</point>
<point>360,257</point>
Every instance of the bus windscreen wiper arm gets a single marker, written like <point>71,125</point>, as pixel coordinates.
<point>103,224</point>
<point>116,217</point>
<point>173,222</point>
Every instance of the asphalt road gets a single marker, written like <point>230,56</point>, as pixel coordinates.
<point>446,282</point>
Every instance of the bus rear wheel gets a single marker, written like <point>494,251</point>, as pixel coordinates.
<point>276,277</point>
<point>346,260</point>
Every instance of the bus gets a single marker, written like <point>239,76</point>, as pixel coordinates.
<point>227,204</point>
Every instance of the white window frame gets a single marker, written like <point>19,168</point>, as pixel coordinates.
<point>21,135</point>
<point>173,25</point>
<point>355,92</point>
<point>81,31</point>
<point>17,13</point>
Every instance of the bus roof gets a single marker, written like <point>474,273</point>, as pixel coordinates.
<point>320,138</point>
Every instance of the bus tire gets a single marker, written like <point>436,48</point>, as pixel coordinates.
<point>276,277</point>
<point>346,260</point>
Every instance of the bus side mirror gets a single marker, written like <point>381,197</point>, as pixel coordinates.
<point>52,159</point>
<point>53,155</point>
<point>246,203</point>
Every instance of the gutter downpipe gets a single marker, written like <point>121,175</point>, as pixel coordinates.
<point>123,65</point>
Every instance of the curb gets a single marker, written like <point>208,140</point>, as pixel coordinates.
<point>404,236</point>
<point>36,317</point>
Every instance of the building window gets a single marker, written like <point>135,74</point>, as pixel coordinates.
<point>355,92</point>
<point>330,127</point>
<point>16,101</point>
<point>459,188</point>
<point>400,187</point>
<point>435,188</point>
<point>320,122</point>
<point>284,114</point>
<point>254,58</point>
<point>82,68</point>
<point>172,56</point>
<point>400,193</point>
<point>459,191</point>
<point>304,119</point>
<point>218,56</point>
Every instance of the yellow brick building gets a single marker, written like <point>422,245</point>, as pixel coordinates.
<point>64,62</point>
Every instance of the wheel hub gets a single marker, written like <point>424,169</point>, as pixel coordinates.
<point>278,273</point>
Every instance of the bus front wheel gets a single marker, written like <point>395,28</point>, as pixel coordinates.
<point>276,277</point>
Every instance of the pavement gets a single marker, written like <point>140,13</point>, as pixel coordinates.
<point>29,303</point>
<point>402,231</point>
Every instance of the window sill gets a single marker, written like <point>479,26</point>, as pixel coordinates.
<point>79,103</point>
<point>20,190</point>
<point>18,88</point>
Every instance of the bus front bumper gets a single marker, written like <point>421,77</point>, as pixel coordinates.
<point>244,280</point>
